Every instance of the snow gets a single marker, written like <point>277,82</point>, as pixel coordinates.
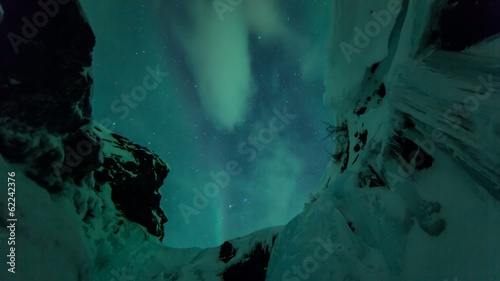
<point>298,244</point>
<point>380,249</point>
<point>359,39</point>
<point>487,48</point>
<point>110,142</point>
<point>206,264</point>
<point>145,259</point>
<point>468,248</point>
<point>48,234</point>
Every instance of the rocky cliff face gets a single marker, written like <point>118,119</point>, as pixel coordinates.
<point>45,113</point>
<point>135,176</point>
<point>44,83</point>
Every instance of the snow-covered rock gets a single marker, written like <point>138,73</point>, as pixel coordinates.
<point>73,198</point>
<point>413,190</point>
<point>135,176</point>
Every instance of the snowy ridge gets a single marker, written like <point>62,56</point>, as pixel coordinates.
<point>146,259</point>
<point>208,266</point>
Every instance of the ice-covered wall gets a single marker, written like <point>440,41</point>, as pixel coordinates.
<point>412,191</point>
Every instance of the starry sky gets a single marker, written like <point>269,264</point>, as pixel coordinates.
<point>231,85</point>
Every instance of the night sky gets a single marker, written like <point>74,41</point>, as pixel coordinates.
<point>220,79</point>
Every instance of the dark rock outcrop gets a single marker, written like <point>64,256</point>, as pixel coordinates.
<point>465,22</point>
<point>253,267</point>
<point>42,75</point>
<point>227,252</point>
<point>44,86</point>
<point>45,111</point>
<point>135,174</point>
